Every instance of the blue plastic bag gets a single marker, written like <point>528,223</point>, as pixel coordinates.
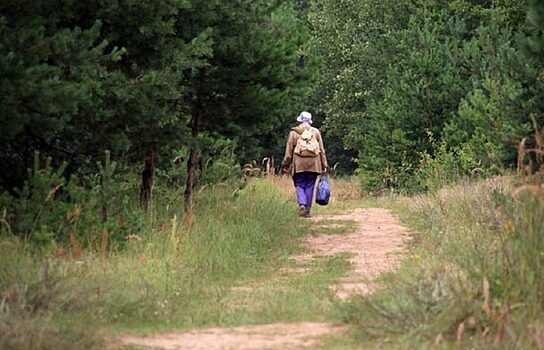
<point>323,193</point>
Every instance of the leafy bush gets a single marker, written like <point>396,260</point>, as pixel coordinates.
<point>450,164</point>
<point>221,164</point>
<point>90,211</point>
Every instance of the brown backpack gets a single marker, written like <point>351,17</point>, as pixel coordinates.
<point>307,144</point>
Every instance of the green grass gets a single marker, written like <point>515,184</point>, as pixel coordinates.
<point>227,265</point>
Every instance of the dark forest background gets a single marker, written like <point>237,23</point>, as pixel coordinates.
<point>119,97</point>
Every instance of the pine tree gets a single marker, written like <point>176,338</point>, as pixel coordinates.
<point>407,80</point>
<point>144,78</point>
<point>80,78</point>
<point>252,81</point>
<point>535,19</point>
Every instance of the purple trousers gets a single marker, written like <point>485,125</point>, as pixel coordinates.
<point>304,185</point>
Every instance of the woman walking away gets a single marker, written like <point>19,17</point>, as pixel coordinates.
<point>305,155</point>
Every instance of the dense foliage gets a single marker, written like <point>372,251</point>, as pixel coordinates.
<point>429,89</point>
<point>420,92</point>
<point>192,87</point>
<point>131,77</point>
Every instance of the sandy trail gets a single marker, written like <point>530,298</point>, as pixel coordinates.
<point>374,247</point>
<point>252,337</point>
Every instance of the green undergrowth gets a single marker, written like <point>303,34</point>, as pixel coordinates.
<point>224,264</point>
<point>473,277</point>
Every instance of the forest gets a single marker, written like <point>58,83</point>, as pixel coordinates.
<point>140,166</point>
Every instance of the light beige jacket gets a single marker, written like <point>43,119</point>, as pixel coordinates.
<point>317,164</point>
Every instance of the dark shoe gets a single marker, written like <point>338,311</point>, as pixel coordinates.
<point>307,212</point>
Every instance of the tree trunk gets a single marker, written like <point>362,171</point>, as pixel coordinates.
<point>192,161</point>
<point>190,184</point>
<point>147,180</point>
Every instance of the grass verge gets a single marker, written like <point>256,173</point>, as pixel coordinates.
<point>221,265</point>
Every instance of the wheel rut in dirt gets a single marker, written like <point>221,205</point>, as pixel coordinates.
<point>374,247</point>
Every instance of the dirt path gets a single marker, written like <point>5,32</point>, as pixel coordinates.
<point>252,337</point>
<point>373,248</point>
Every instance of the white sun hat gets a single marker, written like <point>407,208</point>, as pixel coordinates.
<point>304,117</point>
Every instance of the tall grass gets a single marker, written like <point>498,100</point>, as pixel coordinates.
<point>178,273</point>
<point>473,279</point>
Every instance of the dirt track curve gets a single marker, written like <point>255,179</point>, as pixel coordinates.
<point>374,247</point>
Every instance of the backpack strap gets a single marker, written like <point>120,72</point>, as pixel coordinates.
<point>300,130</point>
